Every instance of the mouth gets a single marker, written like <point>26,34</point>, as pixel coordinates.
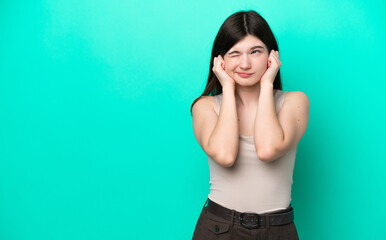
<point>244,75</point>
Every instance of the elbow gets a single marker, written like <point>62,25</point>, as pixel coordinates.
<point>225,158</point>
<point>266,156</point>
<point>226,161</point>
<point>229,162</point>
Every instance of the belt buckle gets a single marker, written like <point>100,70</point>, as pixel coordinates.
<point>249,223</point>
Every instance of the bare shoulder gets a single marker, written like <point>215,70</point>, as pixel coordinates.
<point>296,97</point>
<point>210,100</point>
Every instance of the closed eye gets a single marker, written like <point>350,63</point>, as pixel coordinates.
<point>235,55</point>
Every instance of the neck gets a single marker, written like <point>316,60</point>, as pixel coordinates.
<point>248,96</point>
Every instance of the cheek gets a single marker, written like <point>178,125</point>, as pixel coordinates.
<point>262,63</point>
<point>229,71</point>
<point>265,61</point>
<point>230,64</point>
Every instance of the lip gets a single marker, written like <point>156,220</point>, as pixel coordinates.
<point>244,75</point>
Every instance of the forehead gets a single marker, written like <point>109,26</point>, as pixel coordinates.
<point>248,42</point>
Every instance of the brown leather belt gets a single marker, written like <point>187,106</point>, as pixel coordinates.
<point>252,220</point>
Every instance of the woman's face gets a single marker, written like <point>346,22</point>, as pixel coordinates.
<point>249,55</point>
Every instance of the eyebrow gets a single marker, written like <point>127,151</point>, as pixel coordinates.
<point>258,46</point>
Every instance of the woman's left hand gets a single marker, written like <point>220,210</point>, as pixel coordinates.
<point>273,67</point>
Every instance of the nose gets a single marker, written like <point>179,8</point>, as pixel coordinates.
<point>245,62</point>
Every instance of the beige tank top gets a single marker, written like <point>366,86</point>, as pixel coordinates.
<point>252,185</point>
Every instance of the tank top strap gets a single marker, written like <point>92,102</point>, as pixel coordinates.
<point>218,100</point>
<point>279,99</point>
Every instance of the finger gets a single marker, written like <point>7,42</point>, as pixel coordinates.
<point>272,57</point>
<point>276,61</point>
<point>276,58</point>
<point>273,53</point>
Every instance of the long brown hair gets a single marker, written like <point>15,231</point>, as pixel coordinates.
<point>236,27</point>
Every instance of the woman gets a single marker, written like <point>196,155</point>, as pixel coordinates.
<point>250,129</point>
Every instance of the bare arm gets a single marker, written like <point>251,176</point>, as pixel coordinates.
<point>272,139</point>
<point>276,134</point>
<point>267,131</point>
<point>225,137</point>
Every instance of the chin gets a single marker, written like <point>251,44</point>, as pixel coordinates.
<point>247,84</point>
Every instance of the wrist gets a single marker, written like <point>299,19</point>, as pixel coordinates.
<point>266,85</point>
<point>229,88</point>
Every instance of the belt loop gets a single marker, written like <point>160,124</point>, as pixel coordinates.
<point>232,217</point>
<point>267,220</point>
<point>205,203</point>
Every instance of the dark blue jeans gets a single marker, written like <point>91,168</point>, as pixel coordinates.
<point>210,226</point>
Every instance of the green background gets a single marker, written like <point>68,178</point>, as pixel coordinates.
<point>96,138</point>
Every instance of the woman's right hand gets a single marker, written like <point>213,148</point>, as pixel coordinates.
<point>219,70</point>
